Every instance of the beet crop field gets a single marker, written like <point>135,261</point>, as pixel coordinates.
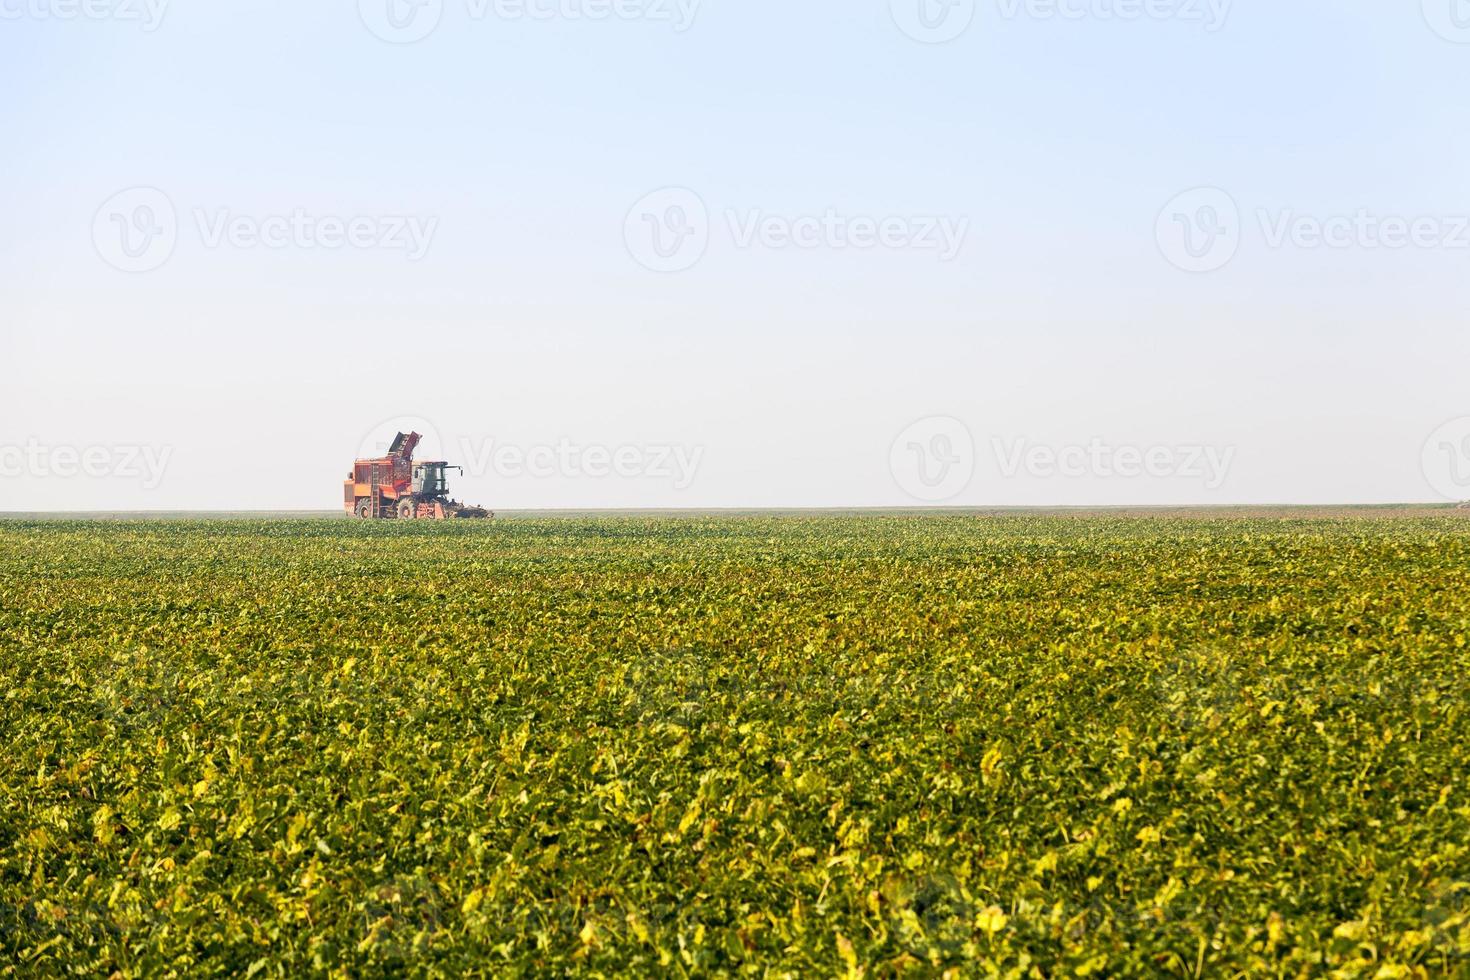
<point>826,745</point>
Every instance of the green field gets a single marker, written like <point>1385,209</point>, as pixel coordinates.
<point>1022,745</point>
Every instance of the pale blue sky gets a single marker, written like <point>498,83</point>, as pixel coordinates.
<point>530,321</point>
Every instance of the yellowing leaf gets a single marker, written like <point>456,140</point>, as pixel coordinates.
<point>472,901</point>
<point>991,920</point>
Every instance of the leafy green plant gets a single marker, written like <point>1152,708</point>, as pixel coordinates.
<point>828,745</point>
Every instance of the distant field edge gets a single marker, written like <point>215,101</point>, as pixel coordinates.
<point>695,512</point>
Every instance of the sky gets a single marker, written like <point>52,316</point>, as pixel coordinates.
<point>736,253</point>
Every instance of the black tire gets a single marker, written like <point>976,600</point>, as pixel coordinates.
<point>364,508</point>
<point>405,510</point>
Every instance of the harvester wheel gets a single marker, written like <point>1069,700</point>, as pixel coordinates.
<point>364,508</point>
<point>405,510</point>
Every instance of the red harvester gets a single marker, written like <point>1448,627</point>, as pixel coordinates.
<point>396,486</point>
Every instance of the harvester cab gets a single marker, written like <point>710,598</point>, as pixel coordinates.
<point>396,486</point>
<point>431,479</point>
